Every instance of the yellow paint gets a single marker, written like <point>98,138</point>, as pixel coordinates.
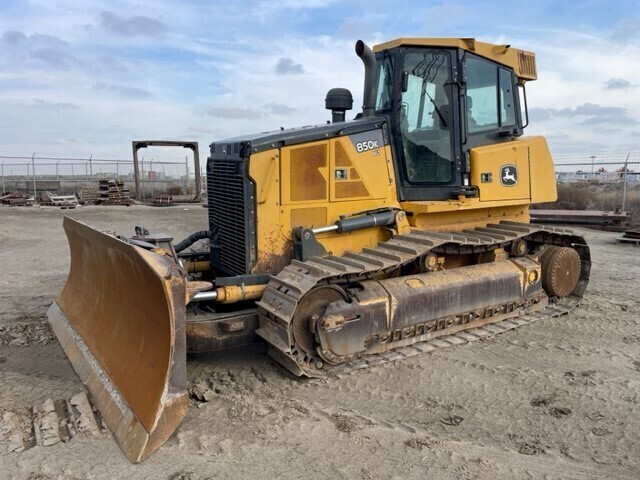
<point>522,61</point>
<point>278,211</point>
<point>427,216</point>
<point>369,169</point>
<point>283,197</point>
<point>536,175</point>
<point>541,171</point>
<point>271,242</point>
<point>490,159</point>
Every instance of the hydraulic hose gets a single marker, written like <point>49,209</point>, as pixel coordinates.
<point>194,237</point>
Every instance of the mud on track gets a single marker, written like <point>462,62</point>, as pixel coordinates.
<point>554,399</point>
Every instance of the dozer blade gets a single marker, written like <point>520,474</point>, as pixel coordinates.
<point>121,321</point>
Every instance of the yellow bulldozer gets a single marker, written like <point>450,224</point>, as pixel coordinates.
<point>340,245</point>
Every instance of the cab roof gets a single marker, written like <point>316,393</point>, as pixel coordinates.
<point>521,61</point>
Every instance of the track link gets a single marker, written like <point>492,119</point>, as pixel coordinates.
<point>49,423</point>
<point>286,289</point>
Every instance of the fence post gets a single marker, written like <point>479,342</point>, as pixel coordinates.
<point>624,182</point>
<point>91,166</point>
<point>33,165</point>
<point>3,189</point>
<point>186,178</point>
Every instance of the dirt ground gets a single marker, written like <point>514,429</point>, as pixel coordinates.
<point>555,399</point>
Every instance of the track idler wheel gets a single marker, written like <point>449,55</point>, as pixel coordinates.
<point>311,308</point>
<point>560,270</point>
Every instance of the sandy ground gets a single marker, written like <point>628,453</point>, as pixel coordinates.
<point>554,399</point>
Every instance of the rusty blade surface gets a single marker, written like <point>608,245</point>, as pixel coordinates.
<point>121,321</point>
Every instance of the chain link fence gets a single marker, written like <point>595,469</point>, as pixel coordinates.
<point>67,176</point>
<point>607,182</point>
<point>585,182</point>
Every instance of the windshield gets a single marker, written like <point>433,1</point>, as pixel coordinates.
<point>425,116</point>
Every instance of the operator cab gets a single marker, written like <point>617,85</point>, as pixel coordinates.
<point>440,100</point>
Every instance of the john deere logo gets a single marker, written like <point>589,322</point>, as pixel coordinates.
<point>509,175</point>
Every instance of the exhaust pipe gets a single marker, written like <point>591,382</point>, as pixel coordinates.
<point>369,60</point>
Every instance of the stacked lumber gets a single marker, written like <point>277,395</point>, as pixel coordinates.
<point>113,192</point>
<point>89,195</point>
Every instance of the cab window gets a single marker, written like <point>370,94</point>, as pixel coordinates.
<point>383,92</point>
<point>425,117</point>
<point>490,96</point>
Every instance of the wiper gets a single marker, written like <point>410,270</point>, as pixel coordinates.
<point>440,115</point>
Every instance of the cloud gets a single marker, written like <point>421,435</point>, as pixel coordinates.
<point>111,64</point>
<point>55,106</point>
<point>234,113</point>
<point>133,26</point>
<point>591,113</point>
<point>48,49</point>
<point>362,26</point>
<point>626,31</point>
<point>539,114</point>
<point>279,109</point>
<point>216,132</point>
<point>446,13</point>
<point>286,66</point>
<point>609,120</point>
<point>54,57</point>
<point>122,90</point>
<point>294,4</point>
<point>618,83</point>
<point>239,113</point>
<point>591,109</point>
<point>15,38</point>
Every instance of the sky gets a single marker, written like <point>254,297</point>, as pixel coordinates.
<point>80,78</point>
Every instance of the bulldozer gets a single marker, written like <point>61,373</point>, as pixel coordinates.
<point>340,245</point>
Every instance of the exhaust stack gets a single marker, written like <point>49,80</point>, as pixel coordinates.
<point>369,60</point>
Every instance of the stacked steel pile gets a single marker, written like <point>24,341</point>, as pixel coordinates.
<point>62,201</point>
<point>16,199</point>
<point>162,201</point>
<point>630,236</point>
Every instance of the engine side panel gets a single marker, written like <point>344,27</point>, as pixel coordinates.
<point>314,184</point>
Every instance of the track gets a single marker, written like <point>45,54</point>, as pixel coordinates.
<point>286,290</point>
<point>562,307</point>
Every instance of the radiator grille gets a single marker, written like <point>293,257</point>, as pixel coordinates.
<point>231,211</point>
